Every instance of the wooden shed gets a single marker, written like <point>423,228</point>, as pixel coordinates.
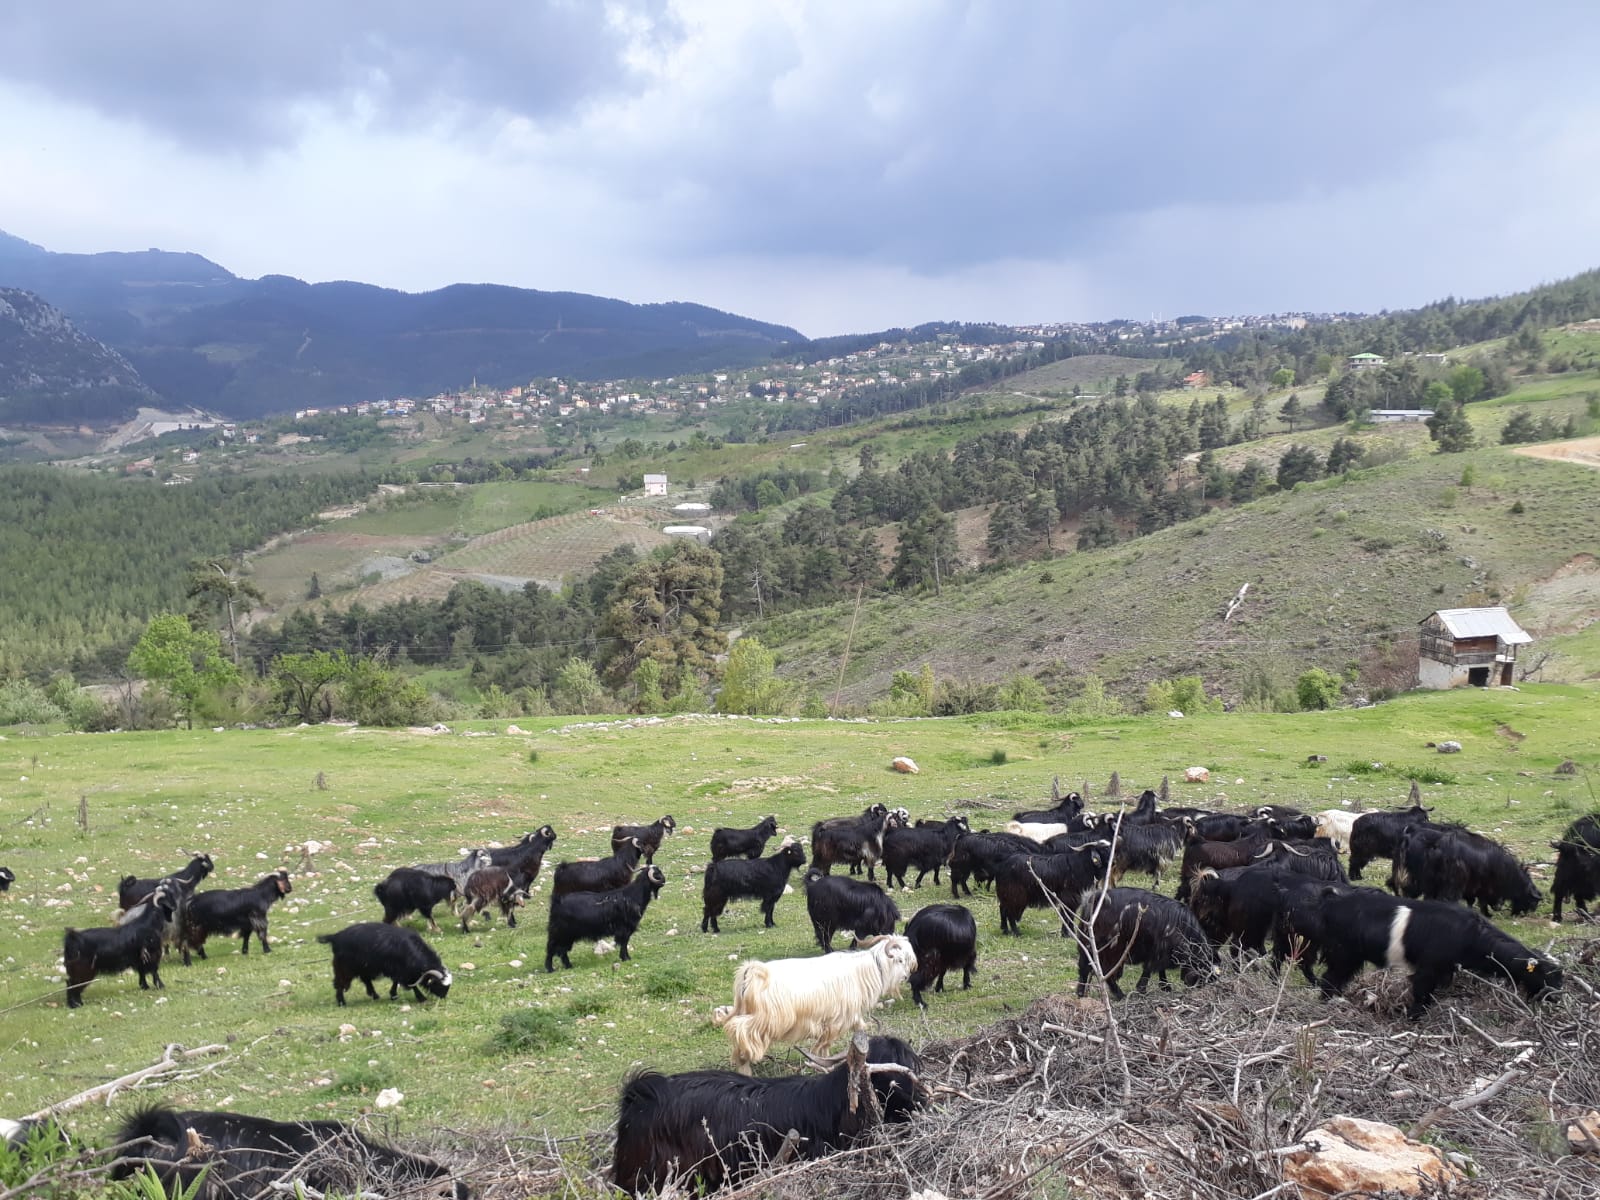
<point>1472,647</point>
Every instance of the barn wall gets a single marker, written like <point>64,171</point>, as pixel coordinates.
<point>1438,675</point>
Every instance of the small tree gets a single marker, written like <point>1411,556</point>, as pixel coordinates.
<point>301,683</point>
<point>181,661</point>
<point>1283,377</point>
<point>749,684</point>
<point>1450,428</point>
<point>578,688</point>
<point>1291,411</point>
<point>1023,693</point>
<point>1299,464</point>
<point>1316,689</point>
<point>647,695</point>
<point>1093,700</point>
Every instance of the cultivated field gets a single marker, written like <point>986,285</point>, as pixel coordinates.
<point>397,797</point>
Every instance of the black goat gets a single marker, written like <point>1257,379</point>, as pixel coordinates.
<point>131,890</point>
<point>136,946</point>
<point>1376,835</point>
<point>978,856</point>
<point>1027,881</point>
<point>409,890</point>
<point>371,949</point>
<point>1061,812</point>
<point>590,916</point>
<point>738,878</point>
<point>7,878</point>
<point>743,843</point>
<point>1455,864</point>
<point>529,845</point>
<point>836,904</point>
<point>944,937</point>
<point>925,847</point>
<point>1577,866</point>
<point>649,835</point>
<point>492,885</point>
<point>234,1157</point>
<point>228,911</point>
<point>851,840</point>
<point>1146,849</point>
<point>1136,927</point>
<point>600,874</point>
<point>702,1129</point>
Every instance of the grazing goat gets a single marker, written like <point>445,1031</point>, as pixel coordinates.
<point>835,904</point>
<point>1057,880</point>
<point>943,937</point>
<point>1316,858</point>
<point>590,916</point>
<point>492,885</point>
<point>978,856</point>
<point>1337,825</point>
<point>228,911</point>
<point>371,949</point>
<point>1455,864</point>
<point>131,890</point>
<point>412,890</point>
<point>810,1000</point>
<point>743,843</point>
<point>927,848</point>
<point>649,836</point>
<point>1432,938</point>
<point>1375,835</point>
<point>135,946</point>
<point>7,878</point>
<point>230,1156</point>
<point>1242,905</point>
<point>1134,927</point>
<point>1577,866</point>
<point>1146,849</point>
<point>851,840</point>
<point>765,880</point>
<point>692,1133</point>
<point>598,874</point>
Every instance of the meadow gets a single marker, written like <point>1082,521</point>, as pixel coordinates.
<point>513,1047</point>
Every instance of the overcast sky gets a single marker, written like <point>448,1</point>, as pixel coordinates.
<point>835,165</point>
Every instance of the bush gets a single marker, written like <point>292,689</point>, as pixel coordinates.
<point>1185,694</point>
<point>668,981</point>
<point>1093,700</point>
<point>373,694</point>
<point>1024,693</point>
<point>23,702</point>
<point>1316,689</point>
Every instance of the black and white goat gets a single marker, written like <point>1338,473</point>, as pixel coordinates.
<point>590,916</point>
<point>492,885</point>
<point>131,890</point>
<point>136,946</point>
<point>371,949</point>
<point>230,1156</point>
<point>228,911</point>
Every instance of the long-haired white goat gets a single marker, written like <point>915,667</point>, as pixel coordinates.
<point>814,1000</point>
<point>1335,824</point>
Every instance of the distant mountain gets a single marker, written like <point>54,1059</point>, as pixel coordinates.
<point>53,373</point>
<point>200,335</point>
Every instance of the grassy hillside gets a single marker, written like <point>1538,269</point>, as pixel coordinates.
<point>397,797</point>
<point>1331,567</point>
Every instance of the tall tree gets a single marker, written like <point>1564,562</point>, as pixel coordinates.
<point>217,592</point>
<point>1007,531</point>
<point>1291,411</point>
<point>927,551</point>
<point>667,608</point>
<point>1041,516</point>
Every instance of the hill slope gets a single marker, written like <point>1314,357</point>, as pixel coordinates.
<point>52,371</point>
<point>202,336</point>
<point>1332,568</point>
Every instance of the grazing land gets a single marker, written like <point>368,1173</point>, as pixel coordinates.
<point>514,1047</point>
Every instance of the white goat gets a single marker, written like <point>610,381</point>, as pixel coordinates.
<point>1335,824</point>
<point>1037,831</point>
<point>813,1000</point>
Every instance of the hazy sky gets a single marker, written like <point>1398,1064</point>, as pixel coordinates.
<point>835,165</point>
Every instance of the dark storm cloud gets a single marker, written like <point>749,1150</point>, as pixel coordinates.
<point>967,133</point>
<point>241,77</point>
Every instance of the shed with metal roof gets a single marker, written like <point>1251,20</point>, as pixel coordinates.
<point>1473,647</point>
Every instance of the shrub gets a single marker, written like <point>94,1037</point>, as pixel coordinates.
<point>530,1029</point>
<point>23,702</point>
<point>1185,694</point>
<point>668,981</point>
<point>1093,700</point>
<point>373,694</point>
<point>1024,693</point>
<point>1316,689</point>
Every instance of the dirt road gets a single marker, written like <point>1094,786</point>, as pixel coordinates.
<point>1583,451</point>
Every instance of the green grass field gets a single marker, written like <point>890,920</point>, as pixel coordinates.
<point>396,797</point>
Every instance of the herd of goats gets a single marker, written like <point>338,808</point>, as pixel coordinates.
<point>1243,878</point>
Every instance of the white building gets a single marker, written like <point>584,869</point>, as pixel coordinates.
<point>655,485</point>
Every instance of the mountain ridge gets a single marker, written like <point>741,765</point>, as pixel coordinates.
<point>203,337</point>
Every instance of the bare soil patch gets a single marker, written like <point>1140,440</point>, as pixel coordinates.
<point>1585,452</point>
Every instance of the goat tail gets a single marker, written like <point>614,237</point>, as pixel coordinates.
<point>72,944</point>
<point>326,938</point>
<point>157,1122</point>
<point>748,1034</point>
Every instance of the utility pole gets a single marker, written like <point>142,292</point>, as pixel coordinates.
<point>848,638</point>
<point>755,578</point>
